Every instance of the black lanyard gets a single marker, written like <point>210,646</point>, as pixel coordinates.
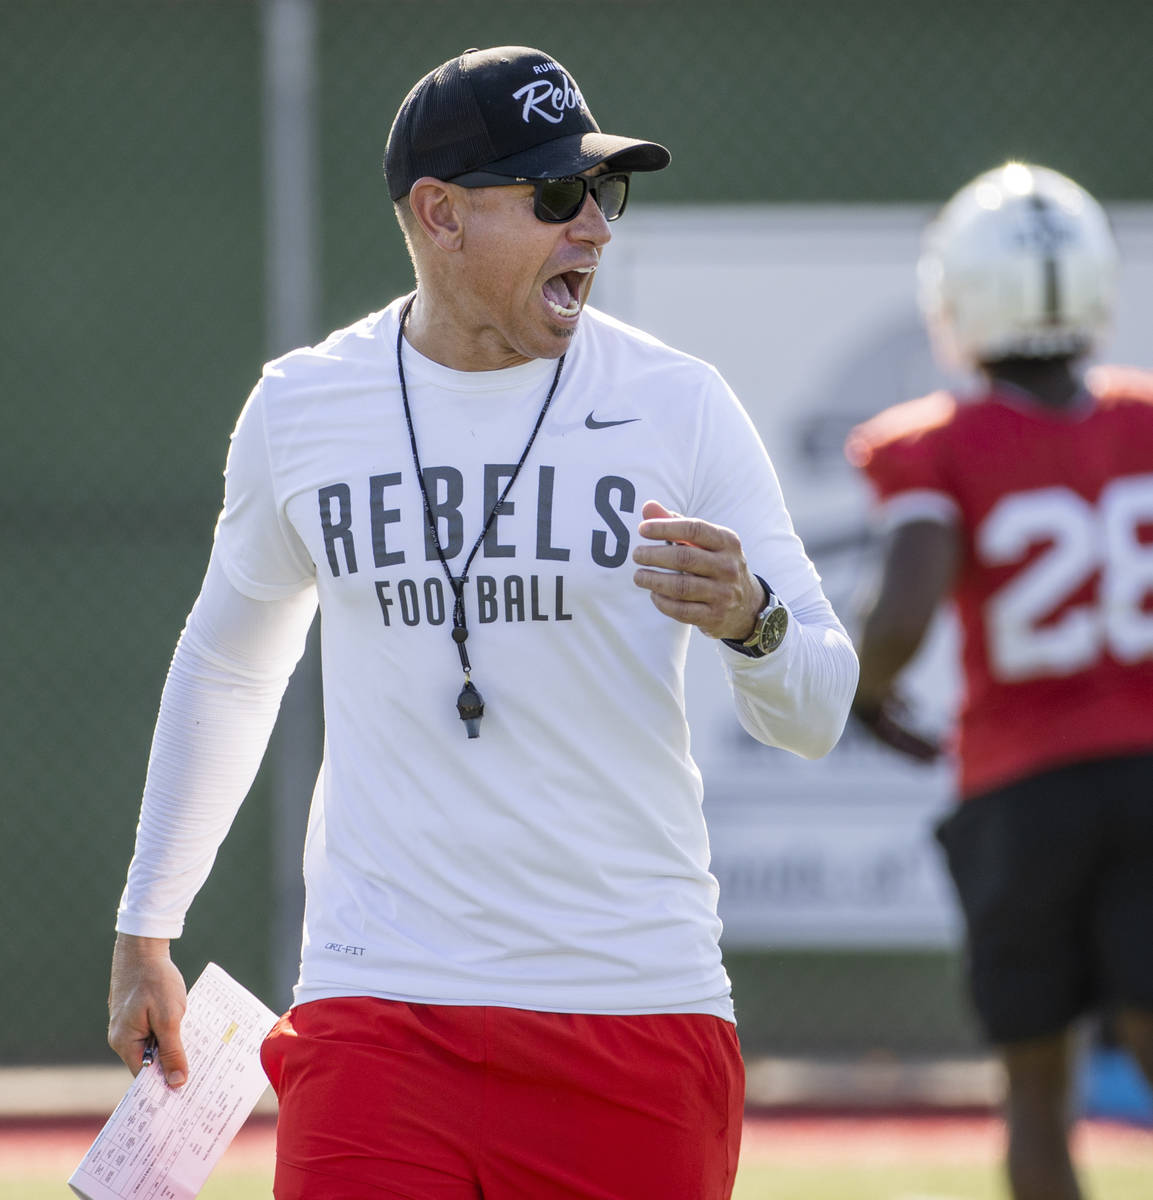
<point>470,703</point>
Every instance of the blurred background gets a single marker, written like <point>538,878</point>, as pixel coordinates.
<point>193,186</point>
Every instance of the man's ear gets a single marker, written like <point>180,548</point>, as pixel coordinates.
<point>437,208</point>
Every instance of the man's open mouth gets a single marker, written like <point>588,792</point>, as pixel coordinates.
<point>563,293</point>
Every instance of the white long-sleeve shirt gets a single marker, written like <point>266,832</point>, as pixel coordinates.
<point>560,860</point>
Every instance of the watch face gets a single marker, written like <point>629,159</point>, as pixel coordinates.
<point>773,627</point>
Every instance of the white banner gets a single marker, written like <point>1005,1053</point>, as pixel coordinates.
<point>822,867</point>
<point>810,314</point>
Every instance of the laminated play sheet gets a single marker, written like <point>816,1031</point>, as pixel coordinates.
<point>160,1143</point>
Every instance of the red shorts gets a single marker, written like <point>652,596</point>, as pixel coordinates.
<point>437,1102</point>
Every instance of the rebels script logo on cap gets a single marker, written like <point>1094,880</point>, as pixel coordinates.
<point>510,110</point>
<point>546,99</point>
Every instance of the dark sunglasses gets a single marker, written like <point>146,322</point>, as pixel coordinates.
<point>559,200</point>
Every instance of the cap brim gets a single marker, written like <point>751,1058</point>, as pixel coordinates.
<point>579,152</point>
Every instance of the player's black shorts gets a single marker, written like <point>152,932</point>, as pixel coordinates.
<point>1055,878</point>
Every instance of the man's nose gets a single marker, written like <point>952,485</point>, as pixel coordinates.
<point>589,225</point>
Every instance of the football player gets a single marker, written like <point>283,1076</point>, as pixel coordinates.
<point>1029,505</point>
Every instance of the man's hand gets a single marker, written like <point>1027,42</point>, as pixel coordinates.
<point>146,1000</point>
<point>702,577</point>
<point>887,720</point>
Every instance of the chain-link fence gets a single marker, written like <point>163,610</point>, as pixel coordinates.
<point>134,243</point>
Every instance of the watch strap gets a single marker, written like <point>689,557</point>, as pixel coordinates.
<point>753,651</point>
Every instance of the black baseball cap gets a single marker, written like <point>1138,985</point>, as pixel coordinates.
<point>510,110</point>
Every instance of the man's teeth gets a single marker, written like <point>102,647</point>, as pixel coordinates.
<point>573,307</point>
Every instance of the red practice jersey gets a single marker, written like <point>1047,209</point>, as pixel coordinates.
<point>1055,587</point>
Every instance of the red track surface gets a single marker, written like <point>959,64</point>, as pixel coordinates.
<point>53,1148</point>
<point>920,1138</point>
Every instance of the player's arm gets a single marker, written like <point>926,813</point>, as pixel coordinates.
<point>217,711</point>
<point>919,562</point>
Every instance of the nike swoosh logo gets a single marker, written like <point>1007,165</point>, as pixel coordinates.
<point>592,423</point>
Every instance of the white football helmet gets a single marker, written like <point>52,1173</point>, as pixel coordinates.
<point>1019,263</point>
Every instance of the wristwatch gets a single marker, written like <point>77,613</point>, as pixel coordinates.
<point>768,630</point>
